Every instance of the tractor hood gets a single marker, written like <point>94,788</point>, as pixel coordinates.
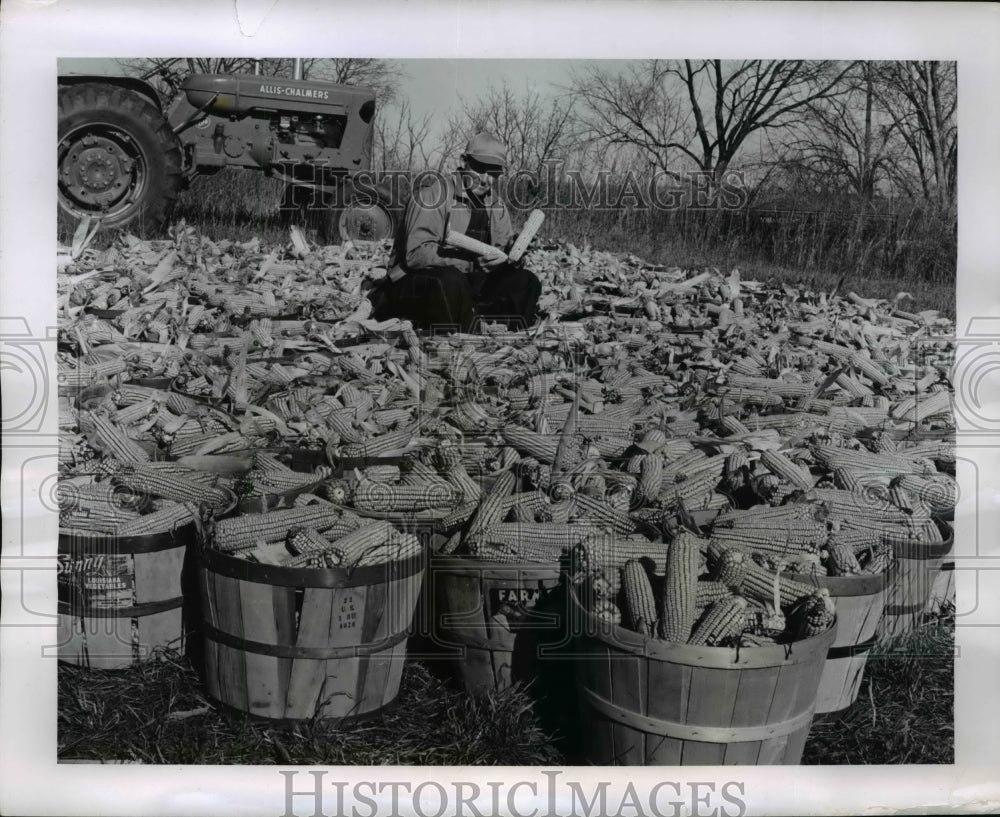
<point>238,95</point>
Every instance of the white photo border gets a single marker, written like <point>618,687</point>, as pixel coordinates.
<point>33,35</point>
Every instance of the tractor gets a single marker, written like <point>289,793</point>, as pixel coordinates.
<point>124,156</point>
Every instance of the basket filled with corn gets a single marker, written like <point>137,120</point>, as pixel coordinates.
<point>306,612</point>
<point>123,543</point>
<point>715,661</point>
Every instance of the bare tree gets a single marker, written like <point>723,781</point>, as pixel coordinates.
<point>534,128</point>
<point>702,110</point>
<point>403,140</point>
<point>846,141</point>
<point>922,98</point>
<point>382,75</point>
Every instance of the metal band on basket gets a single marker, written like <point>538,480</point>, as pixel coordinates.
<point>690,731</point>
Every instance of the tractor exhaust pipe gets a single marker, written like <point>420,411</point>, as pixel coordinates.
<point>297,69</point>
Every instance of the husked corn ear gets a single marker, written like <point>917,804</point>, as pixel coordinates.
<point>813,614</point>
<point>358,542</point>
<point>732,426</point>
<point>600,511</point>
<point>602,551</point>
<point>540,446</point>
<point>381,445</point>
<point>97,519</point>
<point>552,535</point>
<point>677,600</point>
<point>182,485</point>
<point>115,443</point>
<point>725,619</point>
<point>708,592</point>
<point>468,488</point>
<point>242,531</point>
<point>302,541</point>
<point>731,568</point>
<point>939,491</point>
<point>650,477</point>
<point>758,583</point>
<point>869,368</point>
<point>735,471</point>
<point>382,498</point>
<point>840,559</point>
<point>497,549</point>
<point>397,549</point>
<point>640,604</point>
<point>458,517</point>
<point>778,464</point>
<point>172,516</point>
<point>491,508</point>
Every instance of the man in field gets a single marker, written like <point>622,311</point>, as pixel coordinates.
<point>441,287</point>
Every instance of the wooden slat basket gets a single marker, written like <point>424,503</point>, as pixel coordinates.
<point>297,643</point>
<point>859,600</point>
<point>494,622</point>
<point>120,597</point>
<point>911,581</point>
<point>655,703</point>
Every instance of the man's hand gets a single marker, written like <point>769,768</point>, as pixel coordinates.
<point>492,262</point>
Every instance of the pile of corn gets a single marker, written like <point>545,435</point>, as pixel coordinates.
<point>652,413</point>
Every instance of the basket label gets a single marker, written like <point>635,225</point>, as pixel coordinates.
<point>347,614</point>
<point>514,597</point>
<point>101,581</point>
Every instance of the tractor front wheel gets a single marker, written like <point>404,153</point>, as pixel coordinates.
<point>118,160</point>
<point>362,221</point>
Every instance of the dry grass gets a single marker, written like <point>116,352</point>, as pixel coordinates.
<point>158,713</point>
<point>905,711</point>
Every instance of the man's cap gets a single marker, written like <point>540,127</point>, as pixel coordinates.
<point>486,149</point>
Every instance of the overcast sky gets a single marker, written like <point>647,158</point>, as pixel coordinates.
<point>436,86</point>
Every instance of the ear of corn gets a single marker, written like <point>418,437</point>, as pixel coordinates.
<point>382,498</point>
<point>724,620</point>
<point>114,442</point>
<point>640,604</point>
<point>677,600</point>
<point>358,542</point>
<point>840,560</point>
<point>731,568</point>
<point>168,518</point>
<point>600,511</point>
<point>491,509</point>
<point>758,584</point>
<point>708,592</point>
<point>778,464</point>
<point>242,531</point>
<point>814,614</point>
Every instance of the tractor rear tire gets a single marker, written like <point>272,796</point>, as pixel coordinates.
<point>119,161</point>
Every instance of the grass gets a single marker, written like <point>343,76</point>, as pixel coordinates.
<point>905,711</point>
<point>158,713</point>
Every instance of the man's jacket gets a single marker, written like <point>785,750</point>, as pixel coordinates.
<point>437,205</point>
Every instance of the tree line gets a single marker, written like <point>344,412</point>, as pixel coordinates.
<point>873,145</point>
